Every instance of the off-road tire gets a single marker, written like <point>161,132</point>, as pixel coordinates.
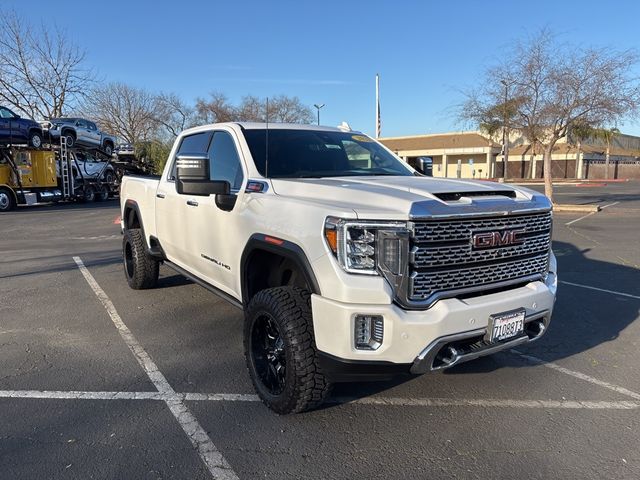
<point>140,268</point>
<point>306,387</point>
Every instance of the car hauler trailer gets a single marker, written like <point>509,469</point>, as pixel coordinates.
<point>29,176</point>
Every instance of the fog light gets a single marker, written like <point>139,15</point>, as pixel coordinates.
<point>368,332</point>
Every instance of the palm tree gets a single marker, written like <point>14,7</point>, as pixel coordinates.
<point>606,135</point>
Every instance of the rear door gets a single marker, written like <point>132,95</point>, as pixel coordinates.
<point>5,116</point>
<point>94,134</point>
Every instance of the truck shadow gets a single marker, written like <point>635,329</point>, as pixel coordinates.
<point>582,320</point>
<point>60,206</point>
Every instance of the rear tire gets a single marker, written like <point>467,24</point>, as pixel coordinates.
<point>7,202</point>
<point>89,194</point>
<point>35,140</point>
<point>140,268</point>
<point>280,351</point>
<point>103,194</point>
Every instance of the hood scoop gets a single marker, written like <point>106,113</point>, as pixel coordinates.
<point>455,196</point>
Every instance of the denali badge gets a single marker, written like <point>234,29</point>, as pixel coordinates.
<point>502,238</point>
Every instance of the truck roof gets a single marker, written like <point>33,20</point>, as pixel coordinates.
<point>272,126</point>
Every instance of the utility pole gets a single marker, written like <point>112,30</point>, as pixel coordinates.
<point>318,107</point>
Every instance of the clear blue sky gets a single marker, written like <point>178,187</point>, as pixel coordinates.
<point>326,51</point>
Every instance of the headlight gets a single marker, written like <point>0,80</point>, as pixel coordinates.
<point>368,248</point>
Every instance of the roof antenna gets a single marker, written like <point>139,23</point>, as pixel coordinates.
<point>266,147</point>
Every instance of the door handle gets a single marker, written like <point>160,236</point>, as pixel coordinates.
<point>192,203</point>
<point>160,195</point>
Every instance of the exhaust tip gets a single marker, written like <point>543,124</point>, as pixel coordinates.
<point>446,357</point>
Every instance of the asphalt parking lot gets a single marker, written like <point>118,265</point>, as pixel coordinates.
<point>99,381</point>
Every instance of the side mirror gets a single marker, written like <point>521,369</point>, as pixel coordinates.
<point>425,166</point>
<point>192,177</point>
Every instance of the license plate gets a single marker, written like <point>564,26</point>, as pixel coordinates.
<point>505,325</point>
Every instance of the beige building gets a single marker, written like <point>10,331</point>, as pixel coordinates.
<point>472,154</point>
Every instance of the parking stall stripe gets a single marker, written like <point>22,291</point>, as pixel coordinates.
<point>177,399</point>
<point>581,376</point>
<point>208,452</point>
<point>600,289</point>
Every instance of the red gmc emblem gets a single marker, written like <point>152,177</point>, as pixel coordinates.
<point>501,238</point>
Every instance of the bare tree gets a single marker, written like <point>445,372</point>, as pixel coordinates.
<point>173,114</point>
<point>41,70</point>
<point>554,86</point>
<point>216,109</point>
<point>282,109</point>
<point>125,111</point>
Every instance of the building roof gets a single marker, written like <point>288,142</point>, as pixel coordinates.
<point>438,141</point>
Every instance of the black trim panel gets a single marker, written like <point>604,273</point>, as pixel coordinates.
<point>225,296</point>
<point>343,370</point>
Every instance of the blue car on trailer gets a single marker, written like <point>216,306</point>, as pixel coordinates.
<point>17,130</point>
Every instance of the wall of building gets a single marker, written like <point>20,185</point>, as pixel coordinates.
<point>595,169</point>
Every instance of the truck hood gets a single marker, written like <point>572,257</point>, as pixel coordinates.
<point>378,197</point>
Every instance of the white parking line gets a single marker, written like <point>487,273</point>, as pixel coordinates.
<point>581,376</point>
<point>600,289</point>
<point>383,401</point>
<point>208,452</point>
<point>609,205</point>
<point>581,218</point>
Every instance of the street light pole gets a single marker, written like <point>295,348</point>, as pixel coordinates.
<point>319,106</point>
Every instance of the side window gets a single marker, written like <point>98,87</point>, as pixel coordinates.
<point>81,124</point>
<point>5,113</point>
<point>225,162</point>
<point>196,143</point>
<point>92,126</point>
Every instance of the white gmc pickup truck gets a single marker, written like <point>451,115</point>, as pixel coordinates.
<point>349,264</point>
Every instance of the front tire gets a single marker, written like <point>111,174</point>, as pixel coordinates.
<point>280,351</point>
<point>7,201</point>
<point>140,268</point>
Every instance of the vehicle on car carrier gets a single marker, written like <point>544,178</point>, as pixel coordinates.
<point>348,263</point>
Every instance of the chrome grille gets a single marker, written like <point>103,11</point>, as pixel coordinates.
<point>442,258</point>
<point>460,229</point>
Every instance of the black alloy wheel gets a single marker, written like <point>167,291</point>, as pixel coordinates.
<point>269,355</point>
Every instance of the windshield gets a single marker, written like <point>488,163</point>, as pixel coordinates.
<point>315,154</point>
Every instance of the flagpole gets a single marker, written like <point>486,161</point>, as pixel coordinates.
<point>377,106</point>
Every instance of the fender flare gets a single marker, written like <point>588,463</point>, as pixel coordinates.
<point>284,248</point>
<point>131,206</point>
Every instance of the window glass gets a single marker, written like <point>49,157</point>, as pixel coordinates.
<point>92,126</point>
<point>225,162</point>
<point>303,153</point>
<point>5,113</point>
<point>81,124</point>
<point>196,143</point>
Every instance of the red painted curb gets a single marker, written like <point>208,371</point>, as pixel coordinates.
<point>116,221</point>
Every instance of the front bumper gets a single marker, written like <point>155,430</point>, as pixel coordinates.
<point>416,339</point>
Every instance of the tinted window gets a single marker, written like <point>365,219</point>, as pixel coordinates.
<point>317,153</point>
<point>92,126</point>
<point>6,113</point>
<point>225,162</point>
<point>81,124</point>
<point>196,143</point>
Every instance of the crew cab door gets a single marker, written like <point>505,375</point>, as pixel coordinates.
<point>214,221</point>
<point>172,210</point>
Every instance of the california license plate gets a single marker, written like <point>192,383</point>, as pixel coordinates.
<point>506,325</point>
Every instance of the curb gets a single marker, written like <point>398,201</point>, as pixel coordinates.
<point>576,208</point>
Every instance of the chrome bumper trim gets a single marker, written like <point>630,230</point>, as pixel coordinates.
<point>423,363</point>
